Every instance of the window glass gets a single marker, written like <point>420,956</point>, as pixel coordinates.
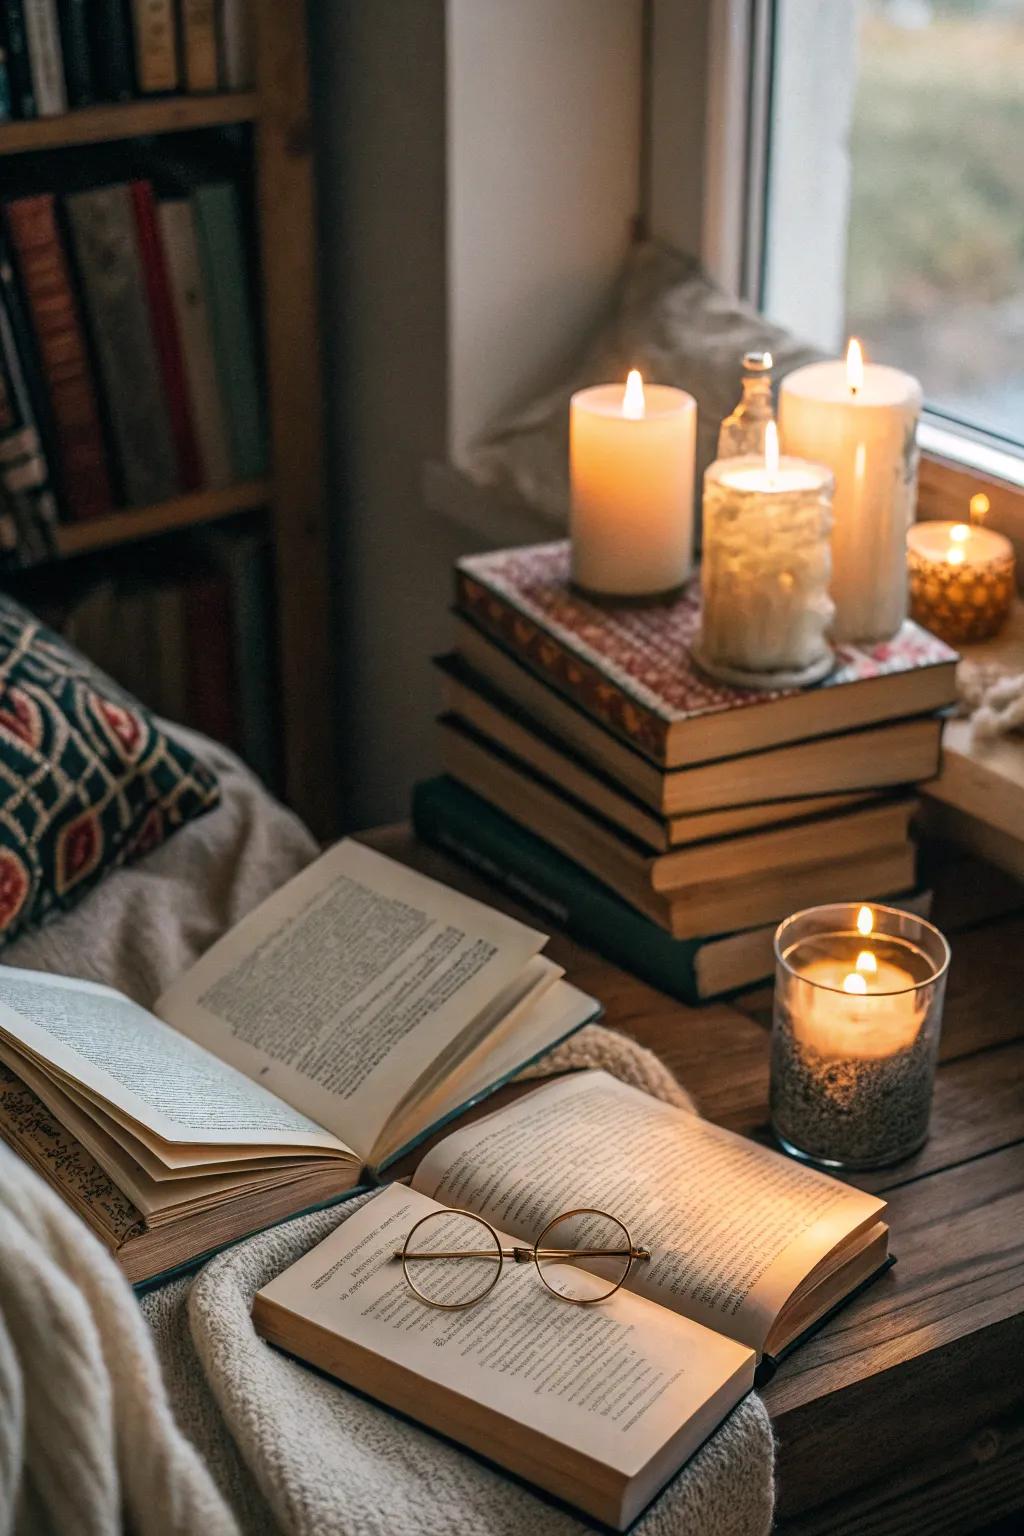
<point>918,130</point>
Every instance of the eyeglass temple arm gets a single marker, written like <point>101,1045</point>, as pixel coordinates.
<point>527,1255</point>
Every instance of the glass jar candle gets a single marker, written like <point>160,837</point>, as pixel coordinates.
<point>765,606</point>
<point>858,1012</point>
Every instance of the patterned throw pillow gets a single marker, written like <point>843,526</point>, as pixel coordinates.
<point>88,780</point>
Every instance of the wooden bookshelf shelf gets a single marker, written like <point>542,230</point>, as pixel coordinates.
<point>124,120</point>
<point>143,522</point>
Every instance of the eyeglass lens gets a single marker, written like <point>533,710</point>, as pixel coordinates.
<point>457,1281</point>
<point>600,1248</point>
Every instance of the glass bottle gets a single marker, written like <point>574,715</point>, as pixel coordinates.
<point>742,431</point>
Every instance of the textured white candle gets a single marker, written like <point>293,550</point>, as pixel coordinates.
<point>863,427</point>
<point>765,569</point>
<point>631,464</point>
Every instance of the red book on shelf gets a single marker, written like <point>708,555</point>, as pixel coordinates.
<point>166,334</point>
<point>64,360</point>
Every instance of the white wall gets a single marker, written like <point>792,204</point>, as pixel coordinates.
<point>478,165</point>
<point>544,124</point>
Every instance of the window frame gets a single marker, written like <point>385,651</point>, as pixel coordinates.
<point>956,459</point>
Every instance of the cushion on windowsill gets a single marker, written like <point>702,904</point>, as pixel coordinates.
<point>88,779</point>
<point>673,324</point>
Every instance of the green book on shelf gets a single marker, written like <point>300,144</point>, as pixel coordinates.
<point>225,279</point>
<point>454,819</point>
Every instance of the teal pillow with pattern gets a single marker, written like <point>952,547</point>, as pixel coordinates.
<point>88,778</point>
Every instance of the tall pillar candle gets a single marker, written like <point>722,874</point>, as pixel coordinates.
<point>861,420</point>
<point>631,464</point>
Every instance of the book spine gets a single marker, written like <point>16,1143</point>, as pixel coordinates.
<point>199,44</point>
<point>103,229</point>
<point>454,819</point>
<point>208,648</point>
<point>112,53</point>
<point>60,339</point>
<point>74,37</point>
<point>24,473</point>
<point>19,65</point>
<point>177,228</point>
<point>165,333</point>
<point>565,671</point>
<point>225,278</point>
<point>46,57</point>
<point>6,99</point>
<point>237,65</point>
<point>156,46</point>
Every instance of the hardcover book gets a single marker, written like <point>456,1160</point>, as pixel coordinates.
<point>156,45</point>
<point>357,1008</point>
<point>601,1404</point>
<point>74,35</point>
<point>631,668</point>
<point>63,355</point>
<point>106,245</point>
<point>449,816</point>
<point>19,65</point>
<point>45,56</point>
<point>873,757</point>
<point>199,44</point>
<point>112,62</point>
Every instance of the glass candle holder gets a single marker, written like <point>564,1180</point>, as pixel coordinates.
<point>765,572</point>
<point>858,1012</point>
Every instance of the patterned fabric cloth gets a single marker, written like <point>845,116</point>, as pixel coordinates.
<point>88,779</point>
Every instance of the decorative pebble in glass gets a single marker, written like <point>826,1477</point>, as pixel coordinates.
<point>766,570</point>
<point>858,1012</point>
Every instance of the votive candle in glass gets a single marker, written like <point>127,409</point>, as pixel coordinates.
<point>858,1012</point>
<point>962,577</point>
<point>765,569</point>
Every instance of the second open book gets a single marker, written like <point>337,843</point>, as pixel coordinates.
<point>357,1008</point>
<point>599,1405</point>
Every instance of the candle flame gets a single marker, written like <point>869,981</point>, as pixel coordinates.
<point>866,963</point>
<point>771,450</point>
<point>854,365</point>
<point>980,505</point>
<point>959,533</point>
<point>854,982</point>
<point>634,406</point>
<point>865,921</point>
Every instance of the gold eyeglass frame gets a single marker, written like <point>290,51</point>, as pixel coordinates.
<point>521,1255</point>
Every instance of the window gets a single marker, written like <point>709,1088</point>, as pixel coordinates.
<point>894,142</point>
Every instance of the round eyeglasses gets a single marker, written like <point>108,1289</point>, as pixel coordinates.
<point>453,1259</point>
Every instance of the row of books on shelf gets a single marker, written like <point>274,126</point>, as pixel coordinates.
<point>671,822</point>
<point>128,355</point>
<point>59,55</point>
<point>189,633</point>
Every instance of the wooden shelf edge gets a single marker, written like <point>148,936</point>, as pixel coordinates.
<point>127,119</point>
<point>136,523</point>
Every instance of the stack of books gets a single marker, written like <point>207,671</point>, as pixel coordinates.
<point>128,353</point>
<point>667,820</point>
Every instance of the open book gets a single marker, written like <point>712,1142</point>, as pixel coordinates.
<point>599,1405</point>
<point>357,1008</point>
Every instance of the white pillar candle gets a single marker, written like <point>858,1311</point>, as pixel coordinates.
<point>631,465</point>
<point>861,420</point>
<point>765,569</point>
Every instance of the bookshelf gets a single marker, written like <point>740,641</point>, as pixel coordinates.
<point>292,497</point>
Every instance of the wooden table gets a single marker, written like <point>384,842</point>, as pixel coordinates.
<point>906,1413</point>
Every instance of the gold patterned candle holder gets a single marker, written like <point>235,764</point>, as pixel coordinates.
<point>962,579</point>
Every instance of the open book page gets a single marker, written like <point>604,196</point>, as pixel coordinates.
<point>524,1035</point>
<point>140,1068</point>
<point>733,1227</point>
<point>612,1383</point>
<point>341,989</point>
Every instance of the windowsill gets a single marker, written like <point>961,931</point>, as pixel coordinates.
<point>945,444</point>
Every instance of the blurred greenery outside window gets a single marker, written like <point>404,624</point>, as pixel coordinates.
<point>895,192</point>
